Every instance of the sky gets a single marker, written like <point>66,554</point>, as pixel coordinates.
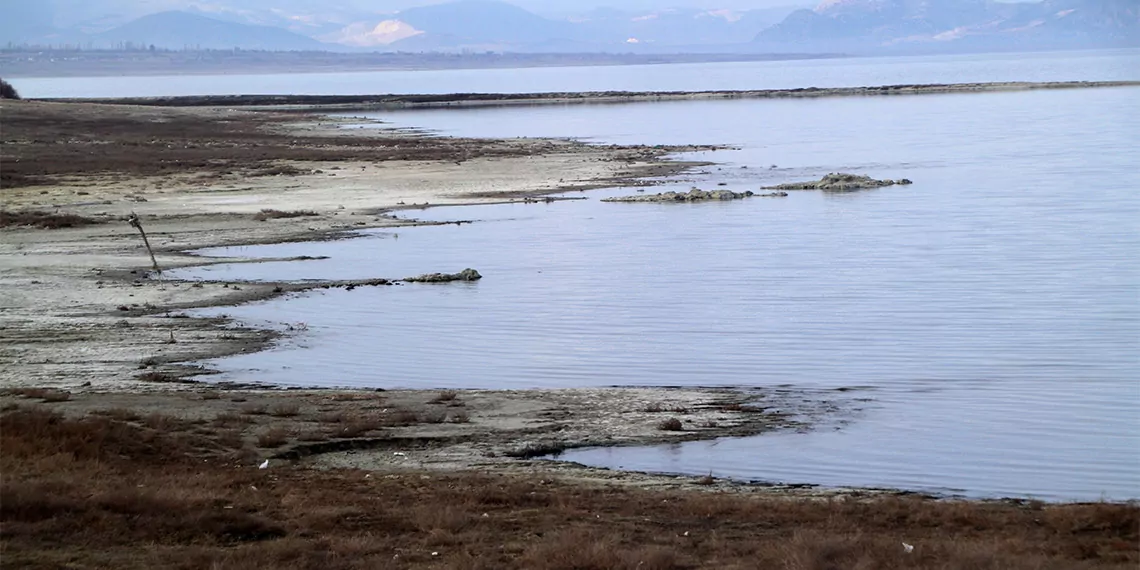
<point>541,6</point>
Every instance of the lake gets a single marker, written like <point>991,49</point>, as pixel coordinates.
<point>986,318</point>
<point>1091,65</point>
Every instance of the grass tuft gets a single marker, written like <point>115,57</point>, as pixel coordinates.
<point>285,410</point>
<point>444,397</point>
<point>271,214</point>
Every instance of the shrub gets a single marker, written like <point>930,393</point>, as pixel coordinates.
<point>671,424</point>
<point>254,409</point>
<point>432,416</point>
<point>7,91</point>
<point>445,396</point>
<point>274,437</point>
<point>271,214</point>
<point>285,410</point>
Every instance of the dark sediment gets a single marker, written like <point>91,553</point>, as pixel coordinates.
<point>841,182</point>
<point>465,275</point>
<point>694,195</point>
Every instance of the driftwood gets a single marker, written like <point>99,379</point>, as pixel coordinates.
<point>136,224</point>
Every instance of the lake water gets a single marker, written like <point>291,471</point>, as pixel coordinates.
<point>990,312</point>
<point>1092,65</point>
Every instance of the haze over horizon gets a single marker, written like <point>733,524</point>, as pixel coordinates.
<point>567,26</point>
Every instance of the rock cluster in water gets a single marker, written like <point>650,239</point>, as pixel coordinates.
<point>694,195</point>
<point>840,182</point>
<point>465,275</point>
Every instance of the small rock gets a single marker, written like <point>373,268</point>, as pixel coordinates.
<point>465,275</point>
<point>840,182</point>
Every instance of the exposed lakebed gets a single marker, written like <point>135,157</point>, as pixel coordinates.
<point>987,313</point>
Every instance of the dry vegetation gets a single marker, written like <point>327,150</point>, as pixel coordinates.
<point>119,489</point>
<point>163,142</point>
<point>45,220</point>
<point>271,214</point>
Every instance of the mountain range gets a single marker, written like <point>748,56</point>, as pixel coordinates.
<point>958,25</point>
<point>851,26</point>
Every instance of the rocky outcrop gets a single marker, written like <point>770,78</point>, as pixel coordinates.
<point>840,182</point>
<point>694,195</point>
<point>465,275</point>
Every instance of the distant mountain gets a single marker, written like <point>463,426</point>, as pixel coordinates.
<point>625,26</point>
<point>955,25</point>
<point>485,21</point>
<point>178,30</point>
<point>496,25</point>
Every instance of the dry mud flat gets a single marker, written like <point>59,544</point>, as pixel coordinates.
<point>423,430</point>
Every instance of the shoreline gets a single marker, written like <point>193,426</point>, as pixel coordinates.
<point>78,289</point>
<point>381,102</point>
<point>87,318</point>
<point>110,63</point>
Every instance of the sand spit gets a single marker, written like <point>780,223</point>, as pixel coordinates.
<point>462,100</point>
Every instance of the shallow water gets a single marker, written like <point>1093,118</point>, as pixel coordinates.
<point>1092,65</point>
<point>989,312</point>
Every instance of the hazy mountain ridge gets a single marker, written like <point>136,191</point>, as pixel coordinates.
<point>176,29</point>
<point>853,26</point>
<point>448,26</point>
<point>873,25</point>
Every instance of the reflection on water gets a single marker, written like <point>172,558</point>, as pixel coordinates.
<point>992,306</point>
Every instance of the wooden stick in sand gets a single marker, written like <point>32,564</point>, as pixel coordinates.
<point>135,223</point>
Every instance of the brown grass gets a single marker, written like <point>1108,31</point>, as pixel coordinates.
<point>432,416</point>
<point>43,394</point>
<point>97,492</point>
<point>358,426</point>
<point>444,397</point>
<point>120,414</point>
<point>271,214</point>
<point>167,142</point>
<point>230,419</point>
<point>401,418</point>
<point>255,409</point>
<point>44,220</point>
<point>155,376</point>
<point>285,410</point>
<point>671,424</point>
<point>273,437</point>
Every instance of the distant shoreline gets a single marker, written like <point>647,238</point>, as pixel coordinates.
<point>466,100</point>
<point>31,63</point>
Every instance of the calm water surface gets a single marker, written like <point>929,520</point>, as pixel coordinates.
<point>1093,65</point>
<point>990,312</point>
